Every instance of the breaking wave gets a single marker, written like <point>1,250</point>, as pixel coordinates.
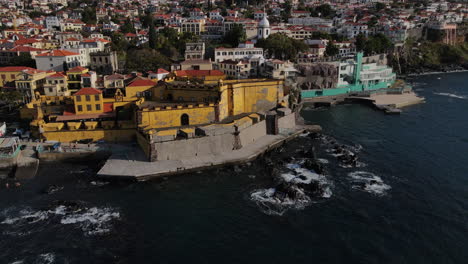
<point>270,204</point>
<point>296,188</point>
<point>452,95</point>
<point>369,182</point>
<point>92,221</point>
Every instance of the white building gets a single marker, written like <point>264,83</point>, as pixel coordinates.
<point>85,47</point>
<point>263,28</point>
<point>158,75</point>
<point>54,60</point>
<point>51,22</point>
<point>245,52</point>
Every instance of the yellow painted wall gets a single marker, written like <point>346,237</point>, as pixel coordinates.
<point>115,135</point>
<point>256,96</point>
<point>10,76</point>
<point>170,118</point>
<point>85,102</point>
<point>131,91</point>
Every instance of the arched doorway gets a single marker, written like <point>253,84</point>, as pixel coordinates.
<point>184,120</point>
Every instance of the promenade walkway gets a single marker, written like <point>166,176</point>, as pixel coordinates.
<point>134,164</point>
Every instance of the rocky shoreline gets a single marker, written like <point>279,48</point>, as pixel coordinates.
<point>435,69</point>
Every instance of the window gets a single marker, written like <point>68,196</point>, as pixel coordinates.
<point>98,107</point>
<point>88,107</point>
<point>51,65</point>
<point>3,76</point>
<point>12,76</point>
<point>88,98</point>
<point>96,97</point>
<point>78,98</point>
<point>80,108</point>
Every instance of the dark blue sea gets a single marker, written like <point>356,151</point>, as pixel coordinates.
<point>404,201</point>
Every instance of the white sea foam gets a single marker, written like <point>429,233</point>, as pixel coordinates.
<point>92,221</point>
<point>26,216</point>
<point>99,183</point>
<point>46,258</point>
<point>324,161</point>
<point>452,95</point>
<point>272,205</point>
<point>369,182</point>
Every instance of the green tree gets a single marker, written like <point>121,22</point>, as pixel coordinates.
<point>325,10</point>
<point>128,27</point>
<point>360,42</point>
<point>88,15</point>
<point>331,50</point>
<point>152,36</point>
<point>235,35</point>
<point>281,46</point>
<point>24,59</point>
<point>65,66</point>
<point>145,59</point>
<point>286,13</point>
<point>379,6</point>
<point>146,20</point>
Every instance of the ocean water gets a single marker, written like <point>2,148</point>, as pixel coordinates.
<point>404,201</point>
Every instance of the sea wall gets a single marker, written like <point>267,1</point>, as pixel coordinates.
<point>189,148</point>
<point>287,122</point>
<point>109,135</point>
<point>252,133</point>
<point>206,145</point>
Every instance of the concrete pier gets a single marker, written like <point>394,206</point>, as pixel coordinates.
<point>390,103</point>
<point>132,165</point>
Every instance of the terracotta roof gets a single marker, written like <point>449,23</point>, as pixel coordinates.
<point>24,49</point>
<point>161,71</point>
<point>141,83</point>
<point>77,69</point>
<point>57,75</point>
<point>72,39</point>
<point>57,53</point>
<point>88,91</point>
<point>199,73</point>
<point>15,68</point>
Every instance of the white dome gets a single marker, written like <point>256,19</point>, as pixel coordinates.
<point>264,22</point>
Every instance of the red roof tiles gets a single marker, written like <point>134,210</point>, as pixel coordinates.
<point>88,91</point>
<point>57,53</point>
<point>141,83</point>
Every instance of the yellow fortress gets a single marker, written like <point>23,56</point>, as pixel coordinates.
<point>149,111</point>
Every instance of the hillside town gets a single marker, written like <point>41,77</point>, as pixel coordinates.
<point>156,72</point>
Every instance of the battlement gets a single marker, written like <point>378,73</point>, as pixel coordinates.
<point>162,107</point>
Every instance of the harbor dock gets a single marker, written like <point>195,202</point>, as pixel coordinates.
<point>134,165</point>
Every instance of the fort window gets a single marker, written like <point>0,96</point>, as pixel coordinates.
<point>88,98</point>
<point>80,108</point>
<point>78,98</point>
<point>96,97</point>
<point>88,107</point>
<point>98,107</point>
<point>184,120</point>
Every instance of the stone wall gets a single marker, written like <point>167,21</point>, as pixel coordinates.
<point>108,135</point>
<point>252,133</point>
<point>190,148</point>
<point>287,122</point>
<point>207,145</point>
